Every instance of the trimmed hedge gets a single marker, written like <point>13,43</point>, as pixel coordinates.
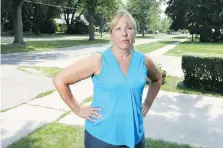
<point>203,73</point>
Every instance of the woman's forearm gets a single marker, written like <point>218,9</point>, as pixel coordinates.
<point>66,94</point>
<point>152,92</point>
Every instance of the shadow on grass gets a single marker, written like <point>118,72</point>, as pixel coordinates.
<point>168,42</point>
<point>12,48</point>
<point>145,37</point>
<point>46,45</point>
<point>184,89</point>
<point>43,35</point>
<point>180,37</point>
<point>175,84</point>
<point>189,42</point>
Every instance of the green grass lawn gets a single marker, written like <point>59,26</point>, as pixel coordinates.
<point>47,45</point>
<point>197,48</point>
<point>149,47</point>
<point>175,84</point>
<point>181,37</point>
<point>43,94</point>
<point>56,135</point>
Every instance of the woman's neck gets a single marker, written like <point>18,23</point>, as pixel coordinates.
<point>121,54</point>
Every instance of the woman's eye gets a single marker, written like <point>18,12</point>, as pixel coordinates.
<point>130,28</point>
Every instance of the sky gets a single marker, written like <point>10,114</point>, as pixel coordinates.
<point>163,7</point>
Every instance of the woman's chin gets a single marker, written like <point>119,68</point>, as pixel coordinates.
<point>125,47</point>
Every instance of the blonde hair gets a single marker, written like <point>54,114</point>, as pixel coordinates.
<point>118,15</point>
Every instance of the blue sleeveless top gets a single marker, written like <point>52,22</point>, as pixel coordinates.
<point>119,97</point>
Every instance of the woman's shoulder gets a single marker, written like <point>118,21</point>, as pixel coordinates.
<point>139,53</point>
<point>146,58</point>
<point>97,59</point>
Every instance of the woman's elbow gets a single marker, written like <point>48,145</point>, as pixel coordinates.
<point>57,81</point>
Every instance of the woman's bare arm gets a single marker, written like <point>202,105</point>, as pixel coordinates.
<point>156,81</point>
<point>79,70</point>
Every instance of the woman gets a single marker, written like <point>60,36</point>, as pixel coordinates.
<point>115,117</point>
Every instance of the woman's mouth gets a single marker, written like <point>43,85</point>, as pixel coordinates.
<point>124,41</point>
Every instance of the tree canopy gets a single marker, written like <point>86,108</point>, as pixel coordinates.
<point>203,17</point>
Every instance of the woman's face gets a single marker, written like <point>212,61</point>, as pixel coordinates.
<point>122,34</point>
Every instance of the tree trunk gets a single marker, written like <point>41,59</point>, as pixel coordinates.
<point>36,19</point>
<point>192,37</point>
<point>91,24</point>
<point>205,34</point>
<point>17,22</point>
<point>6,16</point>
<point>143,28</point>
<point>102,25</point>
<point>216,34</point>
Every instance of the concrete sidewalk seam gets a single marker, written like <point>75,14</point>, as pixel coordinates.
<point>46,107</point>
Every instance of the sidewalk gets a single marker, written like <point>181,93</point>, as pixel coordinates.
<point>18,86</point>
<point>25,86</point>
<point>181,118</point>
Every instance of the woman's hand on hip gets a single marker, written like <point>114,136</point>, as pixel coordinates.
<point>88,113</point>
<point>145,109</point>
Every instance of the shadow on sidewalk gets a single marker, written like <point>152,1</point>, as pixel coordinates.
<point>187,120</point>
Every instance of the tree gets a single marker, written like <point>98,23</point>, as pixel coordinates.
<point>142,11</point>
<point>17,22</point>
<point>5,8</point>
<point>198,16</point>
<point>92,6</point>
<point>165,24</point>
<point>67,12</point>
<point>103,14</point>
<point>154,21</point>
<point>39,12</point>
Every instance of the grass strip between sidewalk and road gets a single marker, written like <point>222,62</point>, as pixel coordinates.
<point>56,135</point>
<point>47,45</point>
<point>46,71</point>
<point>43,94</point>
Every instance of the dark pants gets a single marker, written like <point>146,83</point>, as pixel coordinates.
<point>92,142</point>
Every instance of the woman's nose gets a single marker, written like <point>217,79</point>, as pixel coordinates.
<point>124,32</point>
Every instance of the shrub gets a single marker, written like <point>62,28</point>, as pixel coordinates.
<point>79,27</point>
<point>61,27</point>
<point>203,73</point>
<point>48,26</point>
